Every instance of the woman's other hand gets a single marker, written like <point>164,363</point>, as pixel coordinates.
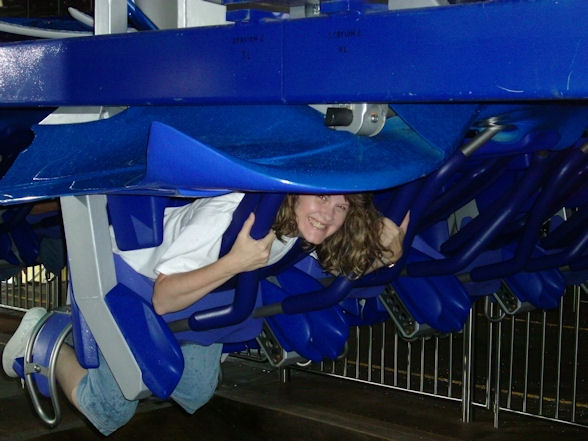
<point>391,238</point>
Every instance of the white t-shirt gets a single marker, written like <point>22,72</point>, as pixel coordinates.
<point>192,236</point>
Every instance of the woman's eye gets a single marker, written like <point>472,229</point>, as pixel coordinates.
<point>323,197</point>
<point>342,207</point>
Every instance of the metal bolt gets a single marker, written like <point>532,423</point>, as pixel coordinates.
<point>374,118</point>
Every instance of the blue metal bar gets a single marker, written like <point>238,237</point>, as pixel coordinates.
<point>395,204</point>
<point>469,233</point>
<point>577,193</point>
<point>312,301</point>
<point>420,204</point>
<point>247,283</point>
<point>562,258</point>
<point>465,189</point>
<point>566,233</point>
<point>570,195</point>
<point>482,51</point>
<point>138,18</point>
<point>487,226</point>
<point>535,219</point>
<point>579,264</point>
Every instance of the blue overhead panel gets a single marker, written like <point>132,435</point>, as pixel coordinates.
<point>489,51</point>
<point>190,150</point>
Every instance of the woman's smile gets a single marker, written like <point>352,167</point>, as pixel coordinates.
<point>320,216</point>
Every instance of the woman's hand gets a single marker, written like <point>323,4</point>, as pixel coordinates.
<point>178,291</point>
<point>247,253</point>
<point>391,238</point>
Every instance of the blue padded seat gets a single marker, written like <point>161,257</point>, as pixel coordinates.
<point>138,220</point>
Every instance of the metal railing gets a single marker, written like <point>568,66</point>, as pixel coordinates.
<point>533,363</point>
<point>33,286</point>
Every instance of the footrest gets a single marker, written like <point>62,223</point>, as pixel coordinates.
<point>509,302</point>
<point>407,326</point>
<point>274,351</point>
<point>38,366</point>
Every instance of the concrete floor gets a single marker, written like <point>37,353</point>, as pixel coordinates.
<point>252,404</point>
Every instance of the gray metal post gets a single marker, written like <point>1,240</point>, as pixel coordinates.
<point>110,17</point>
<point>468,368</point>
<point>92,275</point>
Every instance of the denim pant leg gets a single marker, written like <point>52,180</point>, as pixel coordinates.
<point>101,400</point>
<point>200,376</point>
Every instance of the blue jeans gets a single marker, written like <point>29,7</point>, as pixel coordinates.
<point>102,402</point>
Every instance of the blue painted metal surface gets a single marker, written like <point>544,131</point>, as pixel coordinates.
<point>193,150</point>
<point>447,72</point>
<point>475,52</point>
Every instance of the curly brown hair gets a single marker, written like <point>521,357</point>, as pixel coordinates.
<point>351,250</point>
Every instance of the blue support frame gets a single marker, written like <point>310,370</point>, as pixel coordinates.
<point>472,53</point>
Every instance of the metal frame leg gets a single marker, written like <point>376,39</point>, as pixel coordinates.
<point>468,368</point>
<point>91,264</point>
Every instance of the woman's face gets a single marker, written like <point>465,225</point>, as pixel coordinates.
<point>320,216</point>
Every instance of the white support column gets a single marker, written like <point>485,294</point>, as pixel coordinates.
<point>394,5</point>
<point>172,14</point>
<point>110,17</point>
<point>91,266</point>
<point>194,13</point>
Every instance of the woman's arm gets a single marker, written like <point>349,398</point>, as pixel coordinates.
<point>178,291</point>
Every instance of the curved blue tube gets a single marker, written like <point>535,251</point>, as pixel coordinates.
<point>488,227</point>
<point>247,283</point>
<point>566,233</point>
<point>422,200</point>
<point>320,299</point>
<point>475,182</point>
<point>396,203</point>
<point>470,232</point>
<point>562,258</point>
<point>535,219</point>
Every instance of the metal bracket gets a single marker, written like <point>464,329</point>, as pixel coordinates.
<point>407,326</point>
<point>364,119</point>
<point>273,350</point>
<point>509,302</point>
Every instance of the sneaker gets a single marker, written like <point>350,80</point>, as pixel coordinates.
<point>17,344</point>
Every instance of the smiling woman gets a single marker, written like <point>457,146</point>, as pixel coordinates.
<point>347,232</point>
<point>350,237</point>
